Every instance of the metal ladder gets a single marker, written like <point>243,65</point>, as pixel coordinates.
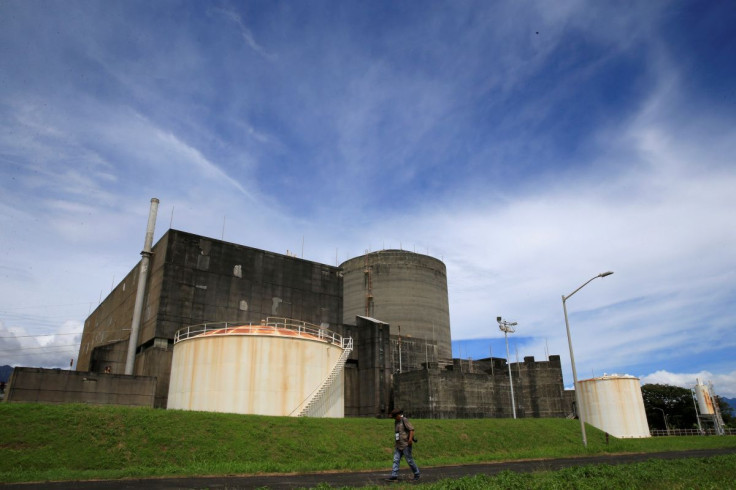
<point>309,409</point>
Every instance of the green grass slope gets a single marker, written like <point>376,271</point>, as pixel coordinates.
<point>716,473</point>
<point>56,442</point>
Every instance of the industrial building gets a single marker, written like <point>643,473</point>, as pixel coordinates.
<point>391,304</point>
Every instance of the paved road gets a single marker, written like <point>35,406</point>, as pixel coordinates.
<point>359,479</point>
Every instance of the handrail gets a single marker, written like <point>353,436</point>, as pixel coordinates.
<point>314,399</point>
<point>301,328</point>
<point>688,432</point>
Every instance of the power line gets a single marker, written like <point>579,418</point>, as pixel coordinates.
<point>54,351</point>
<point>39,335</point>
<point>36,348</point>
<point>96,331</point>
<point>47,306</point>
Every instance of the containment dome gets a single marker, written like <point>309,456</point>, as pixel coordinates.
<point>280,367</point>
<point>614,404</point>
<point>403,289</point>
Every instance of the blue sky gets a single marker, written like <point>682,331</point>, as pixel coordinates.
<point>529,145</point>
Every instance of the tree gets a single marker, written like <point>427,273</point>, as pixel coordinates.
<point>677,404</point>
<point>726,412</point>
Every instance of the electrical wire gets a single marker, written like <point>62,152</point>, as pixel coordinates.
<point>40,335</point>
<point>36,348</point>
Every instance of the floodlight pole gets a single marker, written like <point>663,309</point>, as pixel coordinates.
<point>507,327</point>
<point>511,379</point>
<point>578,403</point>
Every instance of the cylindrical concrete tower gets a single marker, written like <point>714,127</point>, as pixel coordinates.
<point>403,289</point>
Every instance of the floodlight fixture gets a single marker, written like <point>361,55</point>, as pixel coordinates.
<point>504,326</point>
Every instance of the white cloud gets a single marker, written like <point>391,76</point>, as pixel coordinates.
<point>321,144</point>
<point>19,347</point>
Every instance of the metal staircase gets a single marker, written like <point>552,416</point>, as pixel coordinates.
<point>314,407</point>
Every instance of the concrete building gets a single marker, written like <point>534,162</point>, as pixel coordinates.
<point>195,280</point>
<point>481,389</point>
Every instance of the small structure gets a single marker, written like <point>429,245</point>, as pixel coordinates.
<point>708,410</point>
<point>279,367</point>
<point>39,385</point>
<point>614,404</point>
<point>462,388</point>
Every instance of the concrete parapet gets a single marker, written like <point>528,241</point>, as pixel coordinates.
<point>463,388</point>
<point>61,386</point>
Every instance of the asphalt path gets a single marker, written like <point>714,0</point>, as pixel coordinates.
<point>364,478</point>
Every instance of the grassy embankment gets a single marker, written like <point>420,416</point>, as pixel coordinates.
<point>58,442</point>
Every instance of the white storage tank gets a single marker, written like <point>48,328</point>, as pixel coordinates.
<point>705,402</point>
<point>614,404</point>
<point>280,367</point>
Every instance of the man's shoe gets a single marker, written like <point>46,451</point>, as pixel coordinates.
<point>416,477</point>
<point>392,478</point>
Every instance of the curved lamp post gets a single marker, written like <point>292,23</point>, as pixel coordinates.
<point>664,417</point>
<point>572,356</point>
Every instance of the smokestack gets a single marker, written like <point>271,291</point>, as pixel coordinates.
<point>142,277</point>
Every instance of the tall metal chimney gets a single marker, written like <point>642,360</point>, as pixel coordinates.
<point>142,277</point>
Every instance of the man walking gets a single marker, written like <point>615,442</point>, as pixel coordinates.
<point>404,437</point>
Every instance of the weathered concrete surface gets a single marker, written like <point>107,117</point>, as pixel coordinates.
<point>481,389</point>
<point>361,479</point>
<point>60,386</point>
<point>368,381</point>
<point>403,289</point>
<point>194,280</point>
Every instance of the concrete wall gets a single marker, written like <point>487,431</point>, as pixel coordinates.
<point>471,389</point>
<point>60,386</point>
<point>569,403</point>
<point>109,356</point>
<point>540,387</point>
<point>368,370</point>
<point>107,329</point>
<point>193,280</point>
<point>404,289</point>
<point>411,354</point>
<point>210,280</point>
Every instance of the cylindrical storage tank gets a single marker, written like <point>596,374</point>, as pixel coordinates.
<point>614,404</point>
<point>705,402</point>
<point>402,289</point>
<point>257,370</point>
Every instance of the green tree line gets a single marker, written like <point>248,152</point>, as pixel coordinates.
<point>676,404</point>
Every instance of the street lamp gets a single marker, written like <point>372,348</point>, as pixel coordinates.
<point>506,328</point>
<point>572,356</point>
<point>664,416</point>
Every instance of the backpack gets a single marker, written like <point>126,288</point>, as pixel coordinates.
<point>415,431</point>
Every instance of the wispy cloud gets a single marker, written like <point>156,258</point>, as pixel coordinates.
<point>245,32</point>
<point>529,146</point>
